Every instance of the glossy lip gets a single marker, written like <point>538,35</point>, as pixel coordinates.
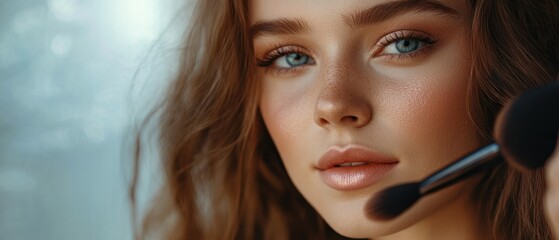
<point>353,177</point>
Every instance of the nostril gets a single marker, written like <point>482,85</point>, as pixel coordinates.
<point>342,112</point>
<point>350,119</point>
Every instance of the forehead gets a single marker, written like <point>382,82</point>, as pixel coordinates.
<point>261,10</point>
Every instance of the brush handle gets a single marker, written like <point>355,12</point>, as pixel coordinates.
<point>461,168</point>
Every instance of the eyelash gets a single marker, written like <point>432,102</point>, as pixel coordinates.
<point>277,52</point>
<point>405,34</point>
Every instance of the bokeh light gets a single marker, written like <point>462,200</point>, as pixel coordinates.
<point>67,70</point>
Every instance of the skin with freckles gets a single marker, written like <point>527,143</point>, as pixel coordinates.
<point>333,78</point>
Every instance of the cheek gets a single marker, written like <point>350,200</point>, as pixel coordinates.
<point>438,118</point>
<point>429,107</point>
<point>285,111</point>
<point>430,113</point>
<point>288,117</point>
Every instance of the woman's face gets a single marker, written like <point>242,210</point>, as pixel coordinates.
<point>364,94</point>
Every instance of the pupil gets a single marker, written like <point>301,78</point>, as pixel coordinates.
<point>296,59</point>
<point>407,45</point>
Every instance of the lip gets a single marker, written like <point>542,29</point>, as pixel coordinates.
<point>370,167</point>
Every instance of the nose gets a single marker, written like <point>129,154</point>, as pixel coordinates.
<point>342,101</point>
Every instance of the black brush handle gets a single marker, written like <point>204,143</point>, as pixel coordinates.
<point>484,157</point>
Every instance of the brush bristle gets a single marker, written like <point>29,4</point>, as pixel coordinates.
<point>393,201</point>
<point>527,128</point>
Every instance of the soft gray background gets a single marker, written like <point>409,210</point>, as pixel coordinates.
<point>74,75</point>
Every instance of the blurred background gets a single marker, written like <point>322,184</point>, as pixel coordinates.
<point>75,75</point>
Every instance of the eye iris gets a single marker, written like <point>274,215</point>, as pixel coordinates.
<point>407,45</point>
<point>296,59</point>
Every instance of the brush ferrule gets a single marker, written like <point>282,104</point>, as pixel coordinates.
<point>460,169</point>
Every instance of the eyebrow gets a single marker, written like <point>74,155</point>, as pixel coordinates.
<point>374,14</point>
<point>386,11</point>
<point>282,26</point>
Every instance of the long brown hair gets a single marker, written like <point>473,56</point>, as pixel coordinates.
<point>224,178</point>
<point>515,46</point>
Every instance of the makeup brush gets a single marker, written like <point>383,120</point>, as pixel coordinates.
<point>526,132</point>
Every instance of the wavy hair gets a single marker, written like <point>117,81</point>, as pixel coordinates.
<point>515,47</point>
<point>224,178</point>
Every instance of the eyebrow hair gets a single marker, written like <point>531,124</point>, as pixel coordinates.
<point>386,11</point>
<point>282,26</point>
<point>374,14</point>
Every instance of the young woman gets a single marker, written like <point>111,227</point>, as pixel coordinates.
<point>288,116</point>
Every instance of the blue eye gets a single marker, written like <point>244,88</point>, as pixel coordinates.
<point>286,58</point>
<point>404,46</point>
<point>291,60</point>
<point>404,43</point>
<point>407,45</point>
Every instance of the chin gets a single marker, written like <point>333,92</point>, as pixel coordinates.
<point>348,219</point>
<point>365,228</point>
